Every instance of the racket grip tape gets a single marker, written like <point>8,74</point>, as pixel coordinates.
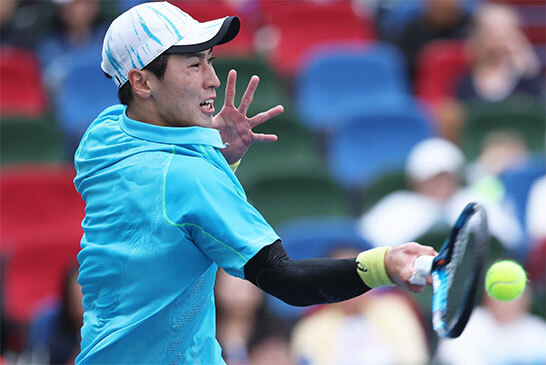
<point>421,269</point>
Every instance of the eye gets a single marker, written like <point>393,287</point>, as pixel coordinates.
<point>195,64</point>
<point>211,59</point>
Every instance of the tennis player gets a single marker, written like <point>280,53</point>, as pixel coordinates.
<point>164,208</point>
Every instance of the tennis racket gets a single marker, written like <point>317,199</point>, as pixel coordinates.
<point>456,271</point>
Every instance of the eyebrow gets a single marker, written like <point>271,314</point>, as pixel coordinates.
<point>201,55</point>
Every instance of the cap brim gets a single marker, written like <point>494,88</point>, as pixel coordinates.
<point>229,29</point>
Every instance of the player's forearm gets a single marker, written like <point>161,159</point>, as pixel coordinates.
<point>304,282</point>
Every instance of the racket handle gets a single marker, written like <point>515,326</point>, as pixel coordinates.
<point>421,269</point>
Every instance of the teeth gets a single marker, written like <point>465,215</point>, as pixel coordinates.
<point>207,103</point>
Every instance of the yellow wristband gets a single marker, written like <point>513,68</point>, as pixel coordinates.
<point>370,266</point>
<point>235,165</point>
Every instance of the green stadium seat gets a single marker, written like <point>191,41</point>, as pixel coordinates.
<point>295,151</point>
<point>29,140</point>
<point>381,186</point>
<point>287,197</point>
<point>271,91</point>
<point>520,116</point>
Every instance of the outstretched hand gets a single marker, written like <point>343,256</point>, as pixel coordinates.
<point>399,262</point>
<point>235,127</point>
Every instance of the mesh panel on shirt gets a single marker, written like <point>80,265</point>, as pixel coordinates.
<point>189,315</point>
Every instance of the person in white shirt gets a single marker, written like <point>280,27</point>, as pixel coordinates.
<point>498,333</point>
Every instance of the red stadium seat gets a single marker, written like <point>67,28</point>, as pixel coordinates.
<point>536,34</point>
<point>40,232</point>
<point>303,24</point>
<point>38,200</point>
<point>34,274</point>
<point>203,11</point>
<point>439,67</point>
<point>21,90</point>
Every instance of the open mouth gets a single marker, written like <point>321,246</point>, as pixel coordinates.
<point>207,106</point>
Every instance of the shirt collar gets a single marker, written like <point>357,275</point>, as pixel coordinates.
<point>171,135</point>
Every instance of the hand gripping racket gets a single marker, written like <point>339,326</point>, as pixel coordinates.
<point>456,271</point>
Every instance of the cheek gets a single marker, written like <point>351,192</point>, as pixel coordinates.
<point>173,100</point>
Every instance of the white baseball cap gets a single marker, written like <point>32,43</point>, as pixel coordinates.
<point>142,33</point>
<point>432,157</point>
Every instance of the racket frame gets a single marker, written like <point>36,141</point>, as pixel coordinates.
<point>439,271</point>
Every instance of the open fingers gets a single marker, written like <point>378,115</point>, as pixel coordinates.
<point>260,137</point>
<point>265,116</point>
<point>230,89</point>
<point>248,96</point>
<point>422,250</point>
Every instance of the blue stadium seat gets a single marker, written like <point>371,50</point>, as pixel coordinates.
<point>518,181</point>
<point>339,76</point>
<point>372,143</point>
<point>83,94</point>
<point>395,15</point>
<point>318,237</point>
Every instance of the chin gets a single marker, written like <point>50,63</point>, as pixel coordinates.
<point>207,122</point>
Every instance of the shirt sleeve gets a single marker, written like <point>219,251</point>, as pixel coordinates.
<point>209,204</point>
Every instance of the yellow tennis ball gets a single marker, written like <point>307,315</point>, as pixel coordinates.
<point>505,280</point>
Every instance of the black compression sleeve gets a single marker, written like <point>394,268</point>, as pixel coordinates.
<point>303,282</point>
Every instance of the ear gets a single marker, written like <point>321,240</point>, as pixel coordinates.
<point>139,83</point>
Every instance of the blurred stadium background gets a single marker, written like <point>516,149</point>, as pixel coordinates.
<point>363,82</point>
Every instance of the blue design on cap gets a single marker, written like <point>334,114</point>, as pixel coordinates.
<point>178,13</point>
<point>135,30</point>
<point>168,21</point>
<point>138,57</point>
<point>111,58</point>
<point>147,30</point>
<point>130,57</point>
<point>145,47</point>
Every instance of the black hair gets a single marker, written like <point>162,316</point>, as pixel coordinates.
<point>158,67</point>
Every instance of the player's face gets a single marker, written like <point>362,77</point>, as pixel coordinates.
<point>185,95</point>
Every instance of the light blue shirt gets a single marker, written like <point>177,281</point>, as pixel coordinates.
<point>163,211</point>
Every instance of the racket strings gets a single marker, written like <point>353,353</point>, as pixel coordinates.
<point>459,276</point>
<point>463,270</point>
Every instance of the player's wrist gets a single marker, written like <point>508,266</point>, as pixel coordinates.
<point>371,267</point>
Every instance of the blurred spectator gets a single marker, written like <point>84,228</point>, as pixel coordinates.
<point>536,273</point>
<point>237,303</point>
<point>54,336</point>
<point>244,329</point>
<point>536,215</point>
<point>76,37</point>
<point>15,27</point>
<point>502,60</point>
<point>433,169</point>
<point>269,344</point>
<point>76,31</point>
<point>381,327</point>
<point>498,333</point>
<point>502,66</point>
<point>501,151</point>
<point>441,19</point>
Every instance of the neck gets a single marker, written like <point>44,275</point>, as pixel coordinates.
<point>144,112</point>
